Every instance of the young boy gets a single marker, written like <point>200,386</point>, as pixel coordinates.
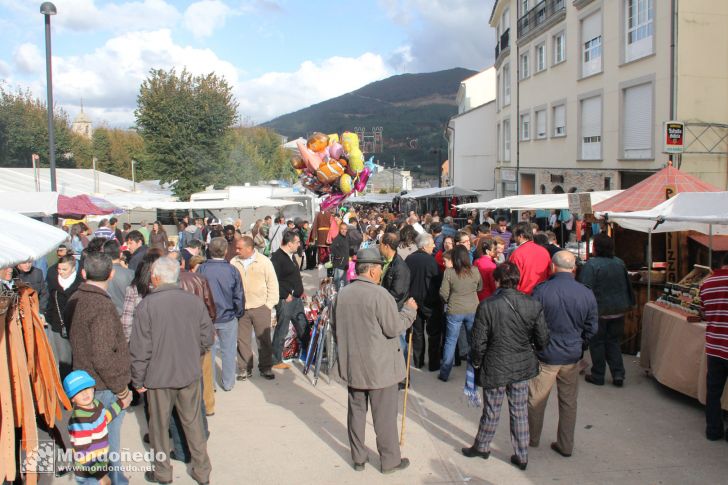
<point>87,428</point>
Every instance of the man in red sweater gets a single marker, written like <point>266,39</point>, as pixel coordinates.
<point>714,295</point>
<point>532,260</point>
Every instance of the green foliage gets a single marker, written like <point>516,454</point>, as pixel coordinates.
<point>24,131</point>
<point>114,150</point>
<point>184,121</point>
<point>256,155</point>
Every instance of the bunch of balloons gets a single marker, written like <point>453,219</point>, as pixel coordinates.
<point>327,164</point>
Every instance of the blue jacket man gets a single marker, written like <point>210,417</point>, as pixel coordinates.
<point>227,292</point>
<point>572,317</point>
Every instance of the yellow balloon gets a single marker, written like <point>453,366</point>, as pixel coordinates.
<point>345,183</point>
<point>356,160</point>
<point>333,138</point>
<point>349,141</point>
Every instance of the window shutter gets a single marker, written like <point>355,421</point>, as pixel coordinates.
<point>540,124</point>
<point>559,117</point>
<point>591,27</point>
<point>591,117</point>
<point>637,123</point>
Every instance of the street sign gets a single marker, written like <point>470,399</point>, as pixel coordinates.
<point>673,135</point>
<point>580,203</point>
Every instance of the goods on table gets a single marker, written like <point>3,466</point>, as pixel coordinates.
<point>30,387</point>
<point>685,295</point>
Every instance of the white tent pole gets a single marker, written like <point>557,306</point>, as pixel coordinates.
<point>649,265</point>
<point>710,246</point>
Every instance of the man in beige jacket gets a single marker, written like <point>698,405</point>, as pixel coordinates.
<point>368,327</point>
<point>261,294</point>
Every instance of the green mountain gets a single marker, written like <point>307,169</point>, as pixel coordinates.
<point>412,110</point>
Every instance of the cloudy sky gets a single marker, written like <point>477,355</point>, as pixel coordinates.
<point>279,55</point>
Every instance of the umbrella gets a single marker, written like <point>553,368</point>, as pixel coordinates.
<point>24,238</point>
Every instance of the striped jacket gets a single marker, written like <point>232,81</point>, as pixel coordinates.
<point>714,295</point>
<point>88,430</point>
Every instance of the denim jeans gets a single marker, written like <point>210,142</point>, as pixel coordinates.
<point>452,332</point>
<point>339,278</point>
<point>107,398</point>
<point>288,312</point>
<point>226,342</point>
<point>605,349</point>
<point>715,382</point>
<point>86,480</point>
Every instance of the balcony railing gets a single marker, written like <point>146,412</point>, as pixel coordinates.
<point>503,43</point>
<point>539,14</point>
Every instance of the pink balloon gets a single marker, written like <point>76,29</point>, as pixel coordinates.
<point>332,200</point>
<point>361,182</point>
<point>310,158</point>
<point>336,150</point>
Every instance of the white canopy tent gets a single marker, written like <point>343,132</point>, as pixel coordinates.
<point>26,238</point>
<point>372,199</point>
<point>37,204</point>
<point>452,191</point>
<point>703,212</point>
<point>538,201</point>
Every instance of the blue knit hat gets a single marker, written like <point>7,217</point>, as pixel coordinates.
<point>76,382</point>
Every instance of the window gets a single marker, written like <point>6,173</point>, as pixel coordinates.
<point>506,140</point>
<point>559,48</point>
<point>505,20</point>
<point>591,35</point>
<point>638,28</point>
<point>498,100</point>
<point>499,143</point>
<point>525,72</point>
<point>524,7</point>
<point>540,57</point>
<point>506,84</point>
<point>591,128</point>
<point>637,122</point>
<point>540,124</point>
<point>559,120</point>
<point>525,127</point>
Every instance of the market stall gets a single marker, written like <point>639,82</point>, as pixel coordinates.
<point>444,200</point>
<point>673,337</point>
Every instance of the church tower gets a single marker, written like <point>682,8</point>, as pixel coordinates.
<point>82,124</point>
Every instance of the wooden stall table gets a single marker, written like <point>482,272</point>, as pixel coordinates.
<point>673,351</point>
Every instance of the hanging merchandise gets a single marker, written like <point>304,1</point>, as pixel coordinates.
<point>30,387</point>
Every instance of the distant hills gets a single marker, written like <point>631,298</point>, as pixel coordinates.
<point>412,109</point>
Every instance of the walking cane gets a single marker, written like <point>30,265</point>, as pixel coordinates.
<point>406,388</point>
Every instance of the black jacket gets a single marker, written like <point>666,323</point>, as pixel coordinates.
<point>35,279</point>
<point>136,258</point>
<point>397,280</point>
<point>340,252</point>
<point>288,274</point>
<point>424,282</point>
<point>55,312</point>
<point>503,342</point>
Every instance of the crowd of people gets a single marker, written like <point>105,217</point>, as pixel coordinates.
<point>128,307</point>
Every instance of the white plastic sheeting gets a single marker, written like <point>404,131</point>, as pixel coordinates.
<point>24,238</point>
<point>451,191</point>
<point>30,203</point>
<point>539,201</point>
<point>686,211</point>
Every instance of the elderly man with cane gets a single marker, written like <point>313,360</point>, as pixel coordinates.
<point>368,327</point>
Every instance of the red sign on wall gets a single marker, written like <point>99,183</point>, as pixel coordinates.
<point>674,136</point>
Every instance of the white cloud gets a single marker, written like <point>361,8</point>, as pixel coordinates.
<point>4,69</point>
<point>277,93</point>
<point>85,15</point>
<point>444,33</point>
<point>203,18</point>
<point>28,59</point>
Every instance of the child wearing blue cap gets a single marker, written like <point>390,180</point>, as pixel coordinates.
<point>88,428</point>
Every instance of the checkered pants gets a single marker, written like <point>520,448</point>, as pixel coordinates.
<point>517,408</point>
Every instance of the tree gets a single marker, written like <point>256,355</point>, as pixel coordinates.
<point>114,150</point>
<point>184,121</point>
<point>256,154</point>
<point>24,131</point>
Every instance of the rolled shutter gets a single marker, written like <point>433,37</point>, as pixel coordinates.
<point>559,118</point>
<point>591,117</point>
<point>540,124</point>
<point>591,27</point>
<point>637,123</point>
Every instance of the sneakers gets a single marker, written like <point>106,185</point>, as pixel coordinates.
<point>281,365</point>
<point>618,382</point>
<point>267,375</point>
<point>244,376</point>
<point>360,466</point>
<point>473,451</point>
<point>149,476</point>
<point>404,463</point>
<point>591,380</point>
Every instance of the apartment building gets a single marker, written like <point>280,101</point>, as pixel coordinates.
<point>584,87</point>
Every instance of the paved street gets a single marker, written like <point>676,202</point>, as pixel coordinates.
<point>288,431</point>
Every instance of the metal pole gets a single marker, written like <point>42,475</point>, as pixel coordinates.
<point>649,265</point>
<point>133,176</point>
<point>96,175</point>
<point>49,85</point>
<point>36,175</point>
<point>710,246</point>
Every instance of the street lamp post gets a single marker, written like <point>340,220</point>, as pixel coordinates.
<point>48,9</point>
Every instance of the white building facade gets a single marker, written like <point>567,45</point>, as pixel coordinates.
<point>584,87</point>
<point>471,136</point>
